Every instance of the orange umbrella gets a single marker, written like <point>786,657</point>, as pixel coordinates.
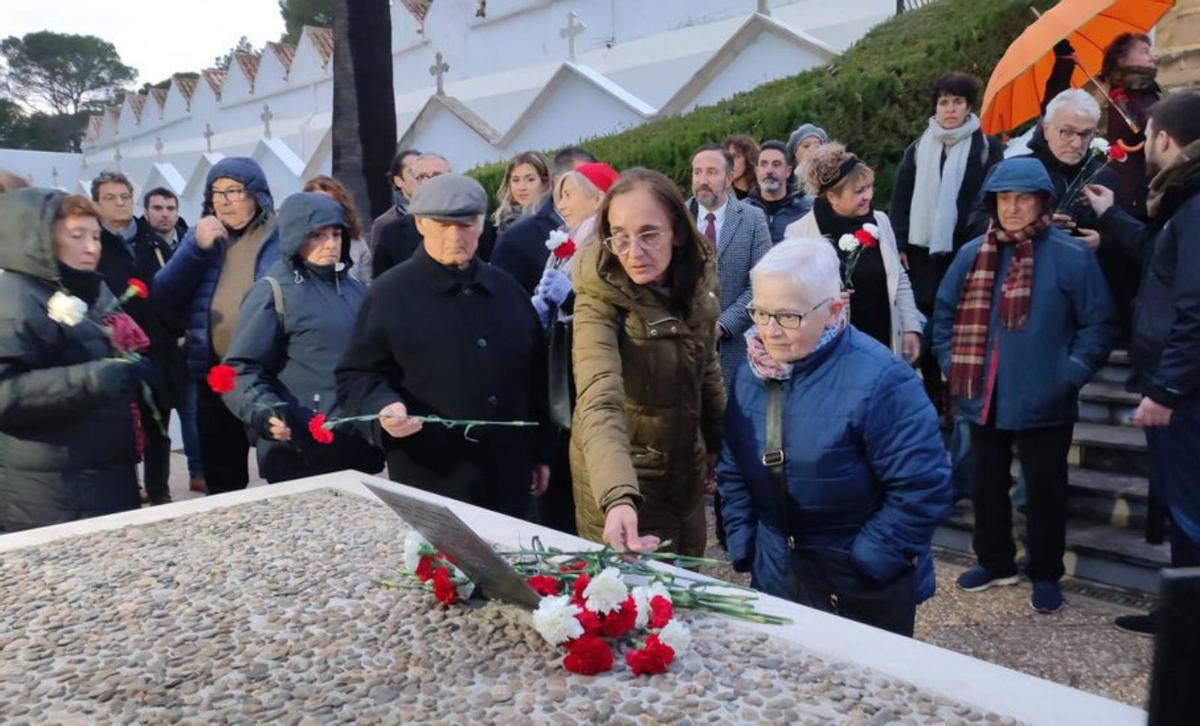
<point>1014,92</point>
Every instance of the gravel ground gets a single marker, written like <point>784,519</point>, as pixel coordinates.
<point>1078,646</point>
<point>269,612</point>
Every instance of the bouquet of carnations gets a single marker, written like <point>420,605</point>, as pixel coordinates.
<point>588,606</point>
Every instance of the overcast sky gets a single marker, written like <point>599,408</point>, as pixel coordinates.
<point>157,37</point>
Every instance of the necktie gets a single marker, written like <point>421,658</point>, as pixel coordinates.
<point>710,229</point>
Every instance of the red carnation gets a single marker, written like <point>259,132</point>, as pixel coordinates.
<point>661,611</point>
<point>221,379</point>
<point>577,589</point>
<point>652,659</point>
<point>443,587</point>
<point>1118,95</point>
<point>424,571</point>
<point>137,288</point>
<point>544,585</point>
<point>565,250</point>
<point>588,655</point>
<point>1116,152</point>
<point>590,622</point>
<point>621,621</point>
<point>865,238</point>
<point>316,429</point>
<point>573,566</point>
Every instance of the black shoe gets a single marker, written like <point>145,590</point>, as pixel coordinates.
<point>1137,624</point>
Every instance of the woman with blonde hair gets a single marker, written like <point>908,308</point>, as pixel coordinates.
<point>526,183</point>
<point>360,251</point>
<point>883,305</point>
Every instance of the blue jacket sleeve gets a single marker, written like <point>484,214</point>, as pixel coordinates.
<point>737,508</point>
<point>945,308</point>
<point>258,352</point>
<point>175,284</point>
<point>904,447</point>
<point>1094,316</point>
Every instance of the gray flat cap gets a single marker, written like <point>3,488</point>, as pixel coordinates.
<point>449,198</point>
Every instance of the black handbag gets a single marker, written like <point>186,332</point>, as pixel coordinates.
<point>826,578</point>
<point>559,378</point>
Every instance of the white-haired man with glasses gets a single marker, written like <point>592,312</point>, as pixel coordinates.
<point>833,475</point>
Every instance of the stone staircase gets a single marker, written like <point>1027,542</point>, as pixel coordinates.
<point>1108,505</point>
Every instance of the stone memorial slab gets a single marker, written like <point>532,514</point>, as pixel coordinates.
<point>477,559</point>
<point>265,606</point>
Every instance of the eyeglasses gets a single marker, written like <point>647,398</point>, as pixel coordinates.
<point>1069,135</point>
<point>620,245</point>
<point>115,197</point>
<point>786,320</point>
<point>230,195</point>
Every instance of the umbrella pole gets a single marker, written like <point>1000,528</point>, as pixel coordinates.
<point>1103,92</point>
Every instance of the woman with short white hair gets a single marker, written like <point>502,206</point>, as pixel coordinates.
<point>833,475</point>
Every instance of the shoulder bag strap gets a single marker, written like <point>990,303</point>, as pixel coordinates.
<point>277,294</point>
<point>774,458</point>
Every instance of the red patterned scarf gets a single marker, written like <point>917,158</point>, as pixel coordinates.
<point>969,344</point>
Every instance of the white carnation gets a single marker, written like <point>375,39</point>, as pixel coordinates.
<point>555,620</point>
<point>871,229</point>
<point>676,636</point>
<point>605,593</point>
<point>414,547</point>
<point>641,599</point>
<point>1100,144</point>
<point>464,590</point>
<point>847,243</point>
<point>66,309</point>
<point>556,238</point>
<point>657,589</point>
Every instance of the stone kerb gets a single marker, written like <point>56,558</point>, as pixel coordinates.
<point>954,677</point>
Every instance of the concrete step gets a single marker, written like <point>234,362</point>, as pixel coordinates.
<point>1117,449</point>
<point>1117,370</point>
<point>1103,497</point>
<point>1101,553</point>
<point>1103,402</point>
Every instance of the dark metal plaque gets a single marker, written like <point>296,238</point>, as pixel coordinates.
<point>467,550</point>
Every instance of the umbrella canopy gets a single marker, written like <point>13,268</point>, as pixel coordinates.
<point>1014,92</point>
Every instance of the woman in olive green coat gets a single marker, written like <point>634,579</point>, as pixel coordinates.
<point>646,427</point>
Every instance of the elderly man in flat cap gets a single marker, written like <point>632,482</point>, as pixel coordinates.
<point>444,334</point>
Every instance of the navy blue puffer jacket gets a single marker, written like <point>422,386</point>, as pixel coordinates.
<point>866,468</point>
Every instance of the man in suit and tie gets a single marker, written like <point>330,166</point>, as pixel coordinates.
<point>741,236</point>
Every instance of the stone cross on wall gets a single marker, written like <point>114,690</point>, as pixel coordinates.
<point>54,175</point>
<point>439,70</point>
<point>158,147</point>
<point>117,157</point>
<point>764,7</point>
<point>208,134</point>
<point>266,119</point>
<point>573,28</point>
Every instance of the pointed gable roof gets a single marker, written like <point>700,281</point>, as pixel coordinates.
<point>248,62</point>
<point>285,52</point>
<point>159,95</point>
<point>216,80</point>
<point>322,40</point>
<point>136,102</point>
<point>185,84</point>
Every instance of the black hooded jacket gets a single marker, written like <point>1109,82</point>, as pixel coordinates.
<point>66,427</point>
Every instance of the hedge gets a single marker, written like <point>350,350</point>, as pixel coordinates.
<point>875,98</point>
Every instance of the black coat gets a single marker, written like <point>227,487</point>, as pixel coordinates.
<point>1165,348</point>
<point>460,345</point>
<point>985,153</point>
<point>398,238</point>
<point>66,429</point>
<point>780,215</point>
<point>150,253</point>
<point>521,250</point>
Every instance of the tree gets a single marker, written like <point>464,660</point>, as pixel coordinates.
<point>298,13</point>
<point>64,72</point>
<point>364,107</point>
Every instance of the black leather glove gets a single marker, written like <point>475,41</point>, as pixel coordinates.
<point>1063,48</point>
<point>119,378</point>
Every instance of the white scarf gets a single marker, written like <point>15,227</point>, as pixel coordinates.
<point>934,211</point>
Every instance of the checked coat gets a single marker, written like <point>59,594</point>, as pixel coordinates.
<point>744,239</point>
